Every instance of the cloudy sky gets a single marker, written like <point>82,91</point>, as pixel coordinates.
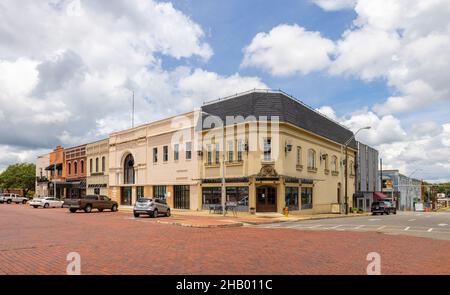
<point>68,68</point>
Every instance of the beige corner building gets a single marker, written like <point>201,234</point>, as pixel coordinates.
<point>276,153</point>
<point>156,160</point>
<point>97,173</point>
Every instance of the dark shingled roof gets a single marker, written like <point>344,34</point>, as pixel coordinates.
<point>276,103</point>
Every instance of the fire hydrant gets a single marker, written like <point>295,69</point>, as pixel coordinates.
<point>286,211</point>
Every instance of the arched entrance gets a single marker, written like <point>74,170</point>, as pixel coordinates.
<point>128,178</point>
<point>266,199</point>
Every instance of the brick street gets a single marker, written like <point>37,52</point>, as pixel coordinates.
<point>37,241</point>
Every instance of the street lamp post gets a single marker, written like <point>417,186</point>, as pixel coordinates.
<point>346,165</point>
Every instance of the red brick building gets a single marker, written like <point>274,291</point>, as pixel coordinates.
<point>75,168</point>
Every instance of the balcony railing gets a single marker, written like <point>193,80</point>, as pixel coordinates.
<point>41,179</point>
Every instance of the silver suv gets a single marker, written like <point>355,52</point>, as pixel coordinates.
<point>152,207</point>
<point>12,198</point>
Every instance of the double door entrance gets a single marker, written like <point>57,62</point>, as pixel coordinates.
<point>266,199</point>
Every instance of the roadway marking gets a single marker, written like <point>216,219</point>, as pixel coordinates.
<point>381,227</point>
<point>407,228</point>
<point>374,219</point>
<point>412,219</point>
<point>442,224</point>
<point>334,227</point>
<point>314,226</point>
<point>430,230</point>
<point>359,226</point>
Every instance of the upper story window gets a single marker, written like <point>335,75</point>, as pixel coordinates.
<point>299,156</point>
<point>209,154</point>
<point>240,149</point>
<point>128,170</point>
<point>69,168</point>
<point>103,164</point>
<point>155,155</point>
<point>267,149</point>
<point>311,158</point>
<point>351,168</point>
<point>188,150</point>
<point>75,168</point>
<point>165,153</point>
<point>96,164</point>
<point>217,153</point>
<point>230,151</point>
<point>82,167</point>
<point>176,152</point>
<point>90,165</point>
<point>334,167</point>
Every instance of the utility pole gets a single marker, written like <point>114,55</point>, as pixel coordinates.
<point>54,183</point>
<point>381,175</point>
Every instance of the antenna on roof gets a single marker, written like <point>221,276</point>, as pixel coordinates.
<point>132,111</point>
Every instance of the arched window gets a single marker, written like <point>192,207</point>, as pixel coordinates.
<point>69,167</point>
<point>311,158</point>
<point>82,167</point>
<point>334,164</point>
<point>96,164</point>
<point>90,165</point>
<point>128,170</point>
<point>103,164</point>
<point>75,168</point>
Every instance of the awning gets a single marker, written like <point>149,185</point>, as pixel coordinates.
<point>81,184</point>
<point>377,196</point>
<point>52,167</point>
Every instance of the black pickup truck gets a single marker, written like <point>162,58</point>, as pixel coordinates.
<point>89,202</point>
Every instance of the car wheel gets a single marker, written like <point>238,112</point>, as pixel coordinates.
<point>168,213</point>
<point>387,212</point>
<point>72,210</point>
<point>136,215</point>
<point>24,201</point>
<point>9,202</point>
<point>62,205</point>
<point>35,206</point>
<point>395,212</point>
<point>88,209</point>
<point>46,205</point>
<point>155,213</point>
<point>114,208</point>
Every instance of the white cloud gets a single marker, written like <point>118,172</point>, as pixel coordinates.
<point>425,144</point>
<point>288,49</point>
<point>67,70</point>
<point>328,111</point>
<point>331,5</point>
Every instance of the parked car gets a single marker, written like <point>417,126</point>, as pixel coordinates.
<point>151,206</point>
<point>383,207</point>
<point>47,202</point>
<point>89,202</point>
<point>13,198</point>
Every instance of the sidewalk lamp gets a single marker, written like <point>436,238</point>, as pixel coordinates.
<point>346,166</point>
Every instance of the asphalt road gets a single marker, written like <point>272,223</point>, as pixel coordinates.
<point>435,225</point>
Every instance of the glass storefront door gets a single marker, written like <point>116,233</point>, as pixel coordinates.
<point>125,196</point>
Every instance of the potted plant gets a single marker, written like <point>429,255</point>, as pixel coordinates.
<point>252,210</point>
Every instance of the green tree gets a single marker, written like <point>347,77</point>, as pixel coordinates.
<point>21,175</point>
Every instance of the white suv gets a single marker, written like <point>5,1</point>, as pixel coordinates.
<point>12,198</point>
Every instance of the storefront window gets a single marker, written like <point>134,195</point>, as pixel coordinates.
<point>307,198</point>
<point>140,192</point>
<point>159,191</point>
<point>239,195</point>
<point>291,198</point>
<point>211,196</point>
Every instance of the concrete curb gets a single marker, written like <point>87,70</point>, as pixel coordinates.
<point>305,218</point>
<point>237,224</point>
